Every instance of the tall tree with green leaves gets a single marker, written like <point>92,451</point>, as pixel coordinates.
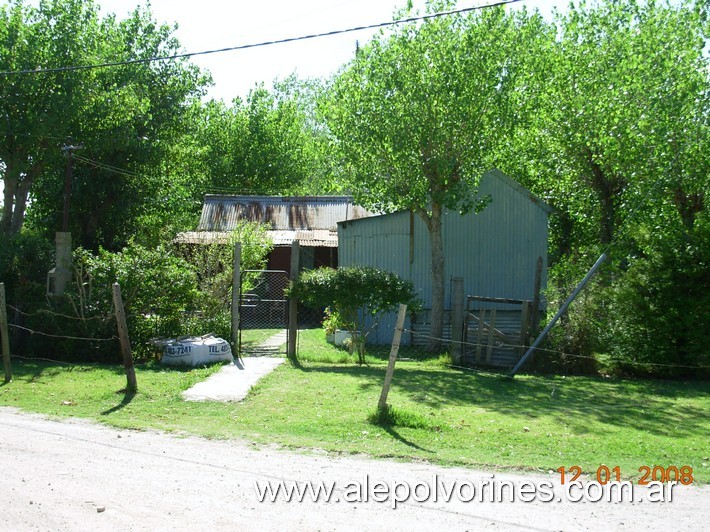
<point>618,141</point>
<point>266,144</point>
<point>417,114</point>
<point>126,116</point>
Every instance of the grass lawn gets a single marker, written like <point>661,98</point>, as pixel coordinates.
<point>451,416</point>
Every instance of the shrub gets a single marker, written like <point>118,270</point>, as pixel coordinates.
<point>660,306</point>
<point>354,293</point>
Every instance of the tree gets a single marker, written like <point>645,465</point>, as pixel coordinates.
<point>624,103</point>
<point>126,117</point>
<point>416,116</point>
<point>617,140</point>
<point>30,105</point>
<point>266,144</point>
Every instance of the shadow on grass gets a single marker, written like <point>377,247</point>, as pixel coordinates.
<point>127,398</point>
<point>397,436</point>
<point>650,406</point>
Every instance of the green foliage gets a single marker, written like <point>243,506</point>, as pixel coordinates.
<point>25,259</point>
<point>660,307</point>
<point>159,292</point>
<point>354,293</point>
<point>214,262</point>
<point>264,145</point>
<point>127,118</point>
<point>151,280</point>
<point>332,321</point>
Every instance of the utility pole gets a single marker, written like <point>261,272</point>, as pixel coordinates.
<point>68,151</point>
<point>60,275</point>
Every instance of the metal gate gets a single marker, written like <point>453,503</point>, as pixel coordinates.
<point>263,312</point>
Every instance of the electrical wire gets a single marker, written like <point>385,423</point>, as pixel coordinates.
<point>107,167</point>
<point>259,44</point>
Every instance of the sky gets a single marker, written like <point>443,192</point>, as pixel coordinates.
<point>213,24</point>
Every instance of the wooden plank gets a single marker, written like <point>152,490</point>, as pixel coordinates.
<point>479,339</point>
<point>524,326</point>
<point>457,320</point>
<point>131,385</point>
<point>502,300</point>
<point>236,294</point>
<point>293,304</point>
<point>491,335</point>
<point>500,334</point>
<point>4,335</point>
<point>382,404</point>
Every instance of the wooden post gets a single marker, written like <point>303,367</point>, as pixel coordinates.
<point>491,331</point>
<point>479,336</point>
<point>393,357</point>
<point>457,320</point>
<point>4,336</point>
<point>524,326</point>
<point>236,293</point>
<point>293,304</point>
<point>132,385</point>
<point>535,318</point>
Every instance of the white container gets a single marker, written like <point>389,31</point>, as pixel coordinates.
<point>196,351</point>
<point>341,335</point>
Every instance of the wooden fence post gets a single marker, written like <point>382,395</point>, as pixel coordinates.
<point>535,318</point>
<point>132,385</point>
<point>457,321</point>
<point>393,357</point>
<point>236,294</point>
<point>293,304</point>
<point>4,335</point>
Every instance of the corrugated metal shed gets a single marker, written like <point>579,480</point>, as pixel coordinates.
<point>312,220</point>
<point>495,251</point>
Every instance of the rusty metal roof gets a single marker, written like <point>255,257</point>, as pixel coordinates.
<point>305,213</point>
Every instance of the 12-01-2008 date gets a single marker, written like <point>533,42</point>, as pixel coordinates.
<point>604,474</point>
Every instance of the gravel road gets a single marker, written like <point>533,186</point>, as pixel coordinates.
<point>78,475</point>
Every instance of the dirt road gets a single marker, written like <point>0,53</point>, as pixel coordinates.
<point>77,475</point>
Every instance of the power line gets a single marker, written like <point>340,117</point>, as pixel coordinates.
<point>259,44</point>
<point>107,167</point>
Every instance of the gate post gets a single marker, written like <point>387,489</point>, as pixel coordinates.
<point>457,321</point>
<point>292,303</point>
<point>236,293</point>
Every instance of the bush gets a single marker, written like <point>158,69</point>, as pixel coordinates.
<point>25,259</point>
<point>660,306</point>
<point>214,262</point>
<point>354,293</point>
<point>159,292</point>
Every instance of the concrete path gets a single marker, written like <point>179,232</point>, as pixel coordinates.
<point>233,381</point>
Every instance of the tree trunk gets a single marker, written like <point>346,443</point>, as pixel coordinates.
<point>689,206</point>
<point>433,223</point>
<point>10,186</point>
<point>16,194</point>
<point>606,190</point>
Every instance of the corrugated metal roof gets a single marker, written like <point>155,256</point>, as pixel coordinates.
<point>221,213</point>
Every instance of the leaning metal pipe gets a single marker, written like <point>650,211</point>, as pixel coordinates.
<point>562,310</point>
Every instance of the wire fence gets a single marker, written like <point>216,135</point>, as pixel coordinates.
<point>264,322</point>
<point>419,344</point>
